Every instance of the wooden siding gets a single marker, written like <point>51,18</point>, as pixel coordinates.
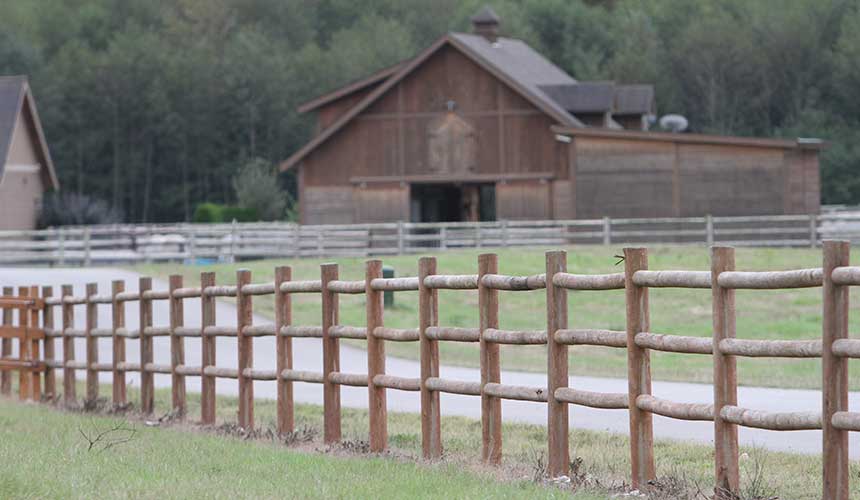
<point>328,205</point>
<point>523,200</point>
<point>381,203</point>
<point>21,186</point>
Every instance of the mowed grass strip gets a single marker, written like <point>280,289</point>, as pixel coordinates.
<point>184,460</point>
<point>761,314</point>
<point>45,455</point>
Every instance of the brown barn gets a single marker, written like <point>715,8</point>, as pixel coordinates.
<point>26,169</point>
<point>482,127</point>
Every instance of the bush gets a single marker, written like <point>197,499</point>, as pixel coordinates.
<point>257,188</point>
<point>208,213</point>
<point>64,209</point>
<point>239,214</point>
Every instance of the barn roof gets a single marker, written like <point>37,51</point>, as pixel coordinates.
<point>634,99</point>
<point>15,97</point>
<point>509,59</point>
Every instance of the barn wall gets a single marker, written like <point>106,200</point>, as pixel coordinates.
<point>328,205</point>
<point>523,200</point>
<point>381,203</point>
<point>392,137</point>
<point>21,186</point>
<point>619,177</point>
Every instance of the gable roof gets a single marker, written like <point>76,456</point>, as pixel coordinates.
<point>349,88</point>
<point>15,96</point>
<point>508,59</point>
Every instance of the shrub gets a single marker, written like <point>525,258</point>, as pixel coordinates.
<point>208,213</point>
<point>239,214</point>
<point>64,209</point>
<point>257,188</point>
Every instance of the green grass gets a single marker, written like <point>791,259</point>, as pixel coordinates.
<point>789,314</point>
<point>183,460</point>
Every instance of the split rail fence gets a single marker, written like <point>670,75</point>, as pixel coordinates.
<point>104,244</point>
<point>834,347</point>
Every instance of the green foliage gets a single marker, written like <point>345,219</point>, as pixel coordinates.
<point>257,190</point>
<point>208,213</point>
<point>63,209</point>
<point>239,214</point>
<point>152,105</point>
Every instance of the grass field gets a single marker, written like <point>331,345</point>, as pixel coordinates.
<point>789,315</point>
<point>52,460</point>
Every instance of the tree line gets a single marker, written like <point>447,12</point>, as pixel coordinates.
<point>154,105</point>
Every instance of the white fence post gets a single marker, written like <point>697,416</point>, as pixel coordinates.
<point>87,246</point>
<point>400,237</point>
<point>443,238</point>
<point>505,233</point>
<point>607,231</point>
<point>61,239</point>
<point>234,235</point>
<point>192,244</point>
<point>813,230</point>
<point>709,229</point>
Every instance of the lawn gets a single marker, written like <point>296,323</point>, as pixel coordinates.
<point>180,459</point>
<point>789,315</point>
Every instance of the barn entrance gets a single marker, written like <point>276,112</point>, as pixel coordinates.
<point>454,202</point>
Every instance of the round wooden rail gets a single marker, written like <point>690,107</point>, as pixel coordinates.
<point>101,332</point>
<point>101,367</point>
<point>452,281</point>
<point>516,392</point>
<point>351,287</point>
<point>219,372</point>
<point>157,331</point>
<point>515,337</point>
<point>606,338</point>
<point>589,281</point>
<point>157,368</point>
<point>846,276</point>
<point>770,280</point>
<point>127,367</point>
<point>127,296</point>
<point>303,376</point>
<point>68,299</point>
<point>187,331</point>
<point>771,348</point>
<point>396,334</point>
<point>220,331</point>
<point>680,411</point>
<point>74,332</point>
<point>513,283</point>
<point>400,383</point>
<point>605,400</point>
<point>257,374</point>
<point>156,295</point>
<point>258,289</point>
<point>100,299</point>
<point>312,286</point>
<point>352,379</point>
<point>453,386</point>
<point>673,279</point>
<point>846,420</point>
<point>453,333</point>
<point>846,348</point>
<point>348,332</point>
<point>302,331</point>
<point>220,291</point>
<point>675,343</point>
<point>186,293</point>
<point>395,284</point>
<point>788,421</point>
<point>267,330</point>
<point>189,370</point>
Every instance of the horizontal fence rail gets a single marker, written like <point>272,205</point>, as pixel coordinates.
<point>38,359</point>
<point>85,245</point>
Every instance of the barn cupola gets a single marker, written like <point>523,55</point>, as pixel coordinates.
<point>486,23</point>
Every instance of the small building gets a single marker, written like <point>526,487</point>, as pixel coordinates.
<point>26,169</point>
<point>482,127</point>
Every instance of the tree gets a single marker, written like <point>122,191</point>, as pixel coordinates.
<point>256,186</point>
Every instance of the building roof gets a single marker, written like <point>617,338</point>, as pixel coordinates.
<point>634,99</point>
<point>351,87</point>
<point>508,59</point>
<point>583,97</point>
<point>14,97</point>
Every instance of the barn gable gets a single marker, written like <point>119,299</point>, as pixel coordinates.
<point>21,131</point>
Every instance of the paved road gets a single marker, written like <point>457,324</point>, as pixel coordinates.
<point>308,356</point>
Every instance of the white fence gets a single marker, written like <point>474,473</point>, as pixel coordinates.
<point>107,244</point>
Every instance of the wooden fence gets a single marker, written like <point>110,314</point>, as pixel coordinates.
<point>834,348</point>
<point>87,245</point>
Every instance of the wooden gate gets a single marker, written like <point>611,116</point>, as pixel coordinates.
<point>23,327</point>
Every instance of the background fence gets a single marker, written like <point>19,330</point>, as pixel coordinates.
<point>202,242</point>
<point>833,347</point>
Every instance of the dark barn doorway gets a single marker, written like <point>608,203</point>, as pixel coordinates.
<point>452,202</point>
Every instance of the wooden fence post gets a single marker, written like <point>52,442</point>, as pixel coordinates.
<point>377,406</point>
<point>283,317</point>
<point>428,315</point>
<point>558,462</point>
<point>491,407</point>
<point>147,378</point>
<point>118,316</point>
<point>207,346</point>
<point>245,311</point>
<point>638,370</point>
<point>177,348</point>
<point>69,382</point>
<point>835,373</point>
<point>50,352</point>
<point>35,375</point>
<point>331,356</point>
<point>23,348</point>
<point>725,376</point>
<point>92,344</point>
<point>6,347</point>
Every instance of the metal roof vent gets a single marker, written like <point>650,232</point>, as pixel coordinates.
<point>486,23</point>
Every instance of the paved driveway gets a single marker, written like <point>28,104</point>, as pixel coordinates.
<point>308,356</point>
